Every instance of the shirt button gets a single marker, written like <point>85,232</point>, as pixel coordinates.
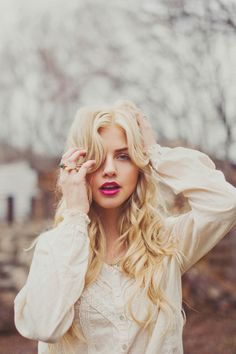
<point>124,347</point>
<point>122,317</point>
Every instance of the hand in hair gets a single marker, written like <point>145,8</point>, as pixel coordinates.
<point>148,134</point>
<point>73,183</point>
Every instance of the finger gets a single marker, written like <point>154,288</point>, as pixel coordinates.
<point>75,156</point>
<point>85,167</point>
<point>143,121</point>
<point>138,117</point>
<point>72,170</point>
<point>69,152</point>
<point>69,169</point>
<point>71,161</point>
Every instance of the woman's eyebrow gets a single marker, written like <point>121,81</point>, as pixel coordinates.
<point>121,149</point>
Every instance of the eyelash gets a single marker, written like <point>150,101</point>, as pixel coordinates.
<point>125,156</point>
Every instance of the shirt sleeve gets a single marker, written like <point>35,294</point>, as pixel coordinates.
<point>44,307</point>
<point>211,198</point>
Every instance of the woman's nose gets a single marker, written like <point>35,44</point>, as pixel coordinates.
<point>109,167</point>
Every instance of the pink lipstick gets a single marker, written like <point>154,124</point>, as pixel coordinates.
<point>109,192</point>
<point>110,188</point>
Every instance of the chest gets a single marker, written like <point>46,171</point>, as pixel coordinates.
<point>103,305</point>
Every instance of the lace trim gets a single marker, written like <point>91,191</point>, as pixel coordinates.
<point>75,215</point>
<point>74,220</point>
<point>112,267</point>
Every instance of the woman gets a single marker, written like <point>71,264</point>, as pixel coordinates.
<point>107,277</point>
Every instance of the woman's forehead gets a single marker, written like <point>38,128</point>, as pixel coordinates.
<point>113,136</point>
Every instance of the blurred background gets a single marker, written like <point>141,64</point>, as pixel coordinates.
<point>176,59</point>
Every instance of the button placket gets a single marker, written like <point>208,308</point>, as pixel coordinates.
<point>123,329</point>
<point>120,319</point>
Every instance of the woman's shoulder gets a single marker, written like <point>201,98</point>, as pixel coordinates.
<point>44,238</point>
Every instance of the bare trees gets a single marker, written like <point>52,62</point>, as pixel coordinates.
<point>175,58</point>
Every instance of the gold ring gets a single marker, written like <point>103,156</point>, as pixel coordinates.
<point>67,168</point>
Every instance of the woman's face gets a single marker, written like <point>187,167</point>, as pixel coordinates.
<point>117,167</point>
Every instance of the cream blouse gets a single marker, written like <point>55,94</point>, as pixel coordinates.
<point>54,292</point>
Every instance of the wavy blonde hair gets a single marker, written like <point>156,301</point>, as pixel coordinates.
<point>141,225</point>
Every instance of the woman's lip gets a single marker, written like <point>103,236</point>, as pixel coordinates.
<point>109,192</point>
<point>110,185</point>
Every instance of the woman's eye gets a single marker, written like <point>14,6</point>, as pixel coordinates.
<point>124,156</point>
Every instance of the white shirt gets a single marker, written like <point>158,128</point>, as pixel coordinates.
<point>54,292</point>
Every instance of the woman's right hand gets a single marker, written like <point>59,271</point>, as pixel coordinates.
<point>73,183</point>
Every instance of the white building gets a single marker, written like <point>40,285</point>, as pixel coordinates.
<point>17,180</point>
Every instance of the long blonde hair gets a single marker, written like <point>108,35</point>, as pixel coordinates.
<point>141,225</point>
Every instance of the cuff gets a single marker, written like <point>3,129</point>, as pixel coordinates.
<point>75,217</point>
<point>153,149</point>
<point>155,152</point>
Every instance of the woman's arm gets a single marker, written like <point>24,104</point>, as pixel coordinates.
<point>44,307</point>
<point>211,198</point>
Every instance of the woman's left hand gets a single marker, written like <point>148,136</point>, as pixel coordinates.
<point>148,134</point>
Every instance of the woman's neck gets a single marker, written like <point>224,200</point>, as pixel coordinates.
<point>109,222</point>
<point>109,219</point>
